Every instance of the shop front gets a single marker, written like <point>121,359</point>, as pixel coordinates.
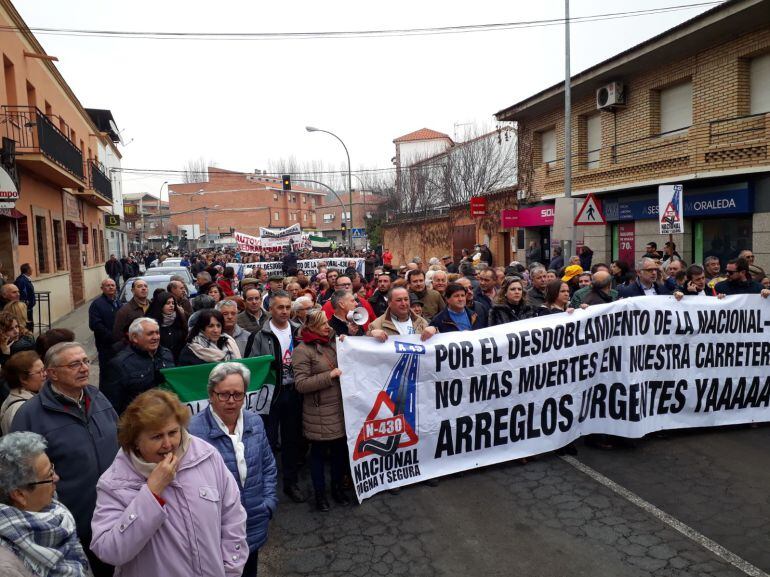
<point>532,224</point>
<point>718,222</point>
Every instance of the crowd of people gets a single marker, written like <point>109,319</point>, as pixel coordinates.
<point>121,475</point>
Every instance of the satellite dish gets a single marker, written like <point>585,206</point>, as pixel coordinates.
<point>114,128</point>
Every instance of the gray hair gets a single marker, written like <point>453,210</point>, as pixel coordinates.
<point>178,278</point>
<point>226,303</point>
<point>304,299</point>
<point>203,275</point>
<point>645,260</point>
<point>711,258</point>
<point>337,297</point>
<point>673,259</point>
<point>53,354</point>
<point>537,270</point>
<point>18,452</point>
<point>224,370</point>
<point>136,328</point>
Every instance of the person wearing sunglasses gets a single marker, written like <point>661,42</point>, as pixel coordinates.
<point>647,281</point>
<point>38,530</point>
<point>80,427</point>
<point>240,438</point>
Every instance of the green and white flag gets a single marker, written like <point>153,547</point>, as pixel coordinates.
<point>320,242</point>
<point>191,384</point>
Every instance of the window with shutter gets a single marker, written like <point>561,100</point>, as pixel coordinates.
<point>676,108</point>
<point>22,231</point>
<point>85,236</point>
<point>548,146</point>
<point>760,84</point>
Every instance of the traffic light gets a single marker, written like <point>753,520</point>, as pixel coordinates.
<point>344,230</point>
<point>286,182</point>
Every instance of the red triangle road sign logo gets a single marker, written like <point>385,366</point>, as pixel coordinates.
<point>383,431</point>
<point>670,215</point>
<point>590,213</point>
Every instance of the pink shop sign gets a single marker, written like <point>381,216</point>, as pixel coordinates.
<point>535,216</point>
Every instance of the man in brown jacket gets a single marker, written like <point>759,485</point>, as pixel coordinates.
<point>399,320</point>
<point>132,310</point>
<point>432,301</point>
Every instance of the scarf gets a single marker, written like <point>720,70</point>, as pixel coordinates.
<point>223,350</point>
<point>46,541</point>
<point>145,468</point>
<point>168,320</point>
<point>309,337</point>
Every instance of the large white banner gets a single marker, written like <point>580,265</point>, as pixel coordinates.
<point>250,244</point>
<point>416,410</point>
<point>310,266</point>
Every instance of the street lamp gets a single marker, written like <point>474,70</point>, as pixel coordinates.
<point>350,178</point>
<point>160,213</point>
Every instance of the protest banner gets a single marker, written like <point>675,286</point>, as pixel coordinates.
<point>191,384</point>
<point>417,410</point>
<point>310,266</point>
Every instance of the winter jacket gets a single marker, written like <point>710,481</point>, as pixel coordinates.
<point>598,297</point>
<point>432,303</point>
<point>379,302</point>
<point>738,288</point>
<point>322,416</point>
<point>385,323</point>
<point>634,289</point>
<point>82,448</point>
<point>127,314</point>
<point>444,323</point>
<point>188,358</point>
<point>250,323</point>
<point>199,530</point>
<point>580,294</point>
<point>113,268</point>
<point>264,342</point>
<point>535,297</point>
<point>26,290</point>
<point>241,337</point>
<point>101,320</point>
<point>174,337</point>
<point>258,496</point>
<point>501,314</point>
<point>133,371</point>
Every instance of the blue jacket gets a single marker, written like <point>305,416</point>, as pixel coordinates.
<point>258,496</point>
<point>444,323</point>
<point>26,290</point>
<point>101,320</point>
<point>80,448</point>
<point>133,371</point>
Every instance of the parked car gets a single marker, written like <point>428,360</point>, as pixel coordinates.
<point>169,262</point>
<point>154,282</point>
<point>182,271</point>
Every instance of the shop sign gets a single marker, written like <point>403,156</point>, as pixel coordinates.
<point>111,220</point>
<point>626,242</point>
<point>738,201</point>
<point>535,216</point>
<point>478,206</point>
<point>8,191</point>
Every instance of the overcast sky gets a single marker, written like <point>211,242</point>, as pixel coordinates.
<point>242,103</point>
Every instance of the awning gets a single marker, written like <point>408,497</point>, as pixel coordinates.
<point>76,224</point>
<point>12,213</point>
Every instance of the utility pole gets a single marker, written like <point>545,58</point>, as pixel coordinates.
<point>569,245</point>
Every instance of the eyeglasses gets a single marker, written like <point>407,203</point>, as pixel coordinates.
<point>650,270</point>
<point>75,365</point>
<point>39,372</point>
<point>46,481</point>
<point>224,397</point>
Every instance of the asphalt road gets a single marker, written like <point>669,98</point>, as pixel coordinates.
<point>606,513</point>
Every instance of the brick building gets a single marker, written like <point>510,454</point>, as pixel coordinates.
<point>243,202</point>
<point>147,220</point>
<point>54,152</point>
<point>693,107</point>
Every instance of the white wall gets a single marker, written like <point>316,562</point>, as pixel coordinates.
<point>417,150</point>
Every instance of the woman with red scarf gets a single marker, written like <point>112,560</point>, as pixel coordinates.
<point>318,379</point>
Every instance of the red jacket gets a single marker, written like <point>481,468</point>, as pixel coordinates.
<point>227,287</point>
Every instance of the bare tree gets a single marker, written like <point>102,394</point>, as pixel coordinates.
<point>195,170</point>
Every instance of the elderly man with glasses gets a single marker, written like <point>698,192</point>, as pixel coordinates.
<point>80,427</point>
<point>646,283</point>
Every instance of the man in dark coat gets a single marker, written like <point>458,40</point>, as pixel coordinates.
<point>114,269</point>
<point>289,262</point>
<point>101,320</point>
<point>646,282</point>
<point>26,291</point>
<point>379,300</point>
<point>737,284</point>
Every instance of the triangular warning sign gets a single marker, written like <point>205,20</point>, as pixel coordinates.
<point>590,213</point>
<point>383,431</point>
<point>670,215</point>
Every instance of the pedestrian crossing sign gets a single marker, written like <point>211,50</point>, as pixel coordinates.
<point>590,213</point>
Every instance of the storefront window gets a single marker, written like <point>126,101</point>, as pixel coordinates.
<point>724,238</point>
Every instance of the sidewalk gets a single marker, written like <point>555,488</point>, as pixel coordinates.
<point>77,321</point>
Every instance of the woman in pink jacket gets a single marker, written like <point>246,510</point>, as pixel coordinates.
<point>168,504</point>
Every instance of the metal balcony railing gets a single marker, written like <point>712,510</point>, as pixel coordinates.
<point>34,132</point>
<point>99,180</point>
<point>736,129</point>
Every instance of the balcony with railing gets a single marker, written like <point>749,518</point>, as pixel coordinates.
<point>735,141</point>
<point>99,190</point>
<point>42,147</point>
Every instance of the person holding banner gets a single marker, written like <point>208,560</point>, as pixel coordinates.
<point>240,438</point>
<point>167,505</point>
<point>317,378</point>
<point>511,304</point>
<point>398,319</point>
<point>206,342</point>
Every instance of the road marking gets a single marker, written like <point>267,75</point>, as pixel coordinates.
<point>673,522</point>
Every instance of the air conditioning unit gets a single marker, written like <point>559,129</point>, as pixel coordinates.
<point>610,95</point>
